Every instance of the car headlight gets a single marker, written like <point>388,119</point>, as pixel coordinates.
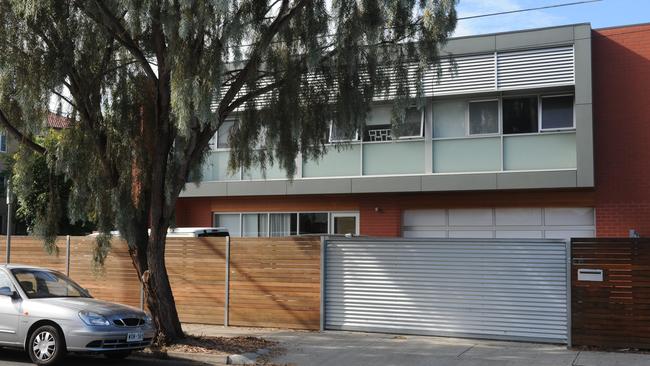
<point>91,318</point>
<point>147,319</point>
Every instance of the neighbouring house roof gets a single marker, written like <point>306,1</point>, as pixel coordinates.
<point>57,121</point>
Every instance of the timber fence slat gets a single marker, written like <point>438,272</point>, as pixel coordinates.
<point>616,311</point>
<point>274,282</point>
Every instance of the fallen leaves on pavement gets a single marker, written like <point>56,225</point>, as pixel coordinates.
<point>227,345</point>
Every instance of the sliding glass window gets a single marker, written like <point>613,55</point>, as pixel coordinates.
<point>255,225</point>
<point>230,222</point>
<point>557,112</point>
<point>283,224</point>
<point>313,223</point>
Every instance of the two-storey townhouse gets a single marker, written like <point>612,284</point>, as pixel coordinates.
<point>503,148</point>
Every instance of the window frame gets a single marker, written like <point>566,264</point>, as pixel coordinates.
<point>242,226</point>
<point>519,96</point>
<point>327,221</point>
<point>541,112</point>
<point>214,222</point>
<point>215,137</point>
<point>334,215</point>
<point>331,141</point>
<point>400,138</point>
<point>330,223</point>
<point>413,137</point>
<point>497,99</point>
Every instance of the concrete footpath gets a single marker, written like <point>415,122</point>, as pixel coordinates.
<point>359,349</point>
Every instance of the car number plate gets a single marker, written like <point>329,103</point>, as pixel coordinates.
<point>135,337</point>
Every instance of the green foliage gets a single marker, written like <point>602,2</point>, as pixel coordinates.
<point>129,70</point>
<point>149,82</point>
<point>42,195</point>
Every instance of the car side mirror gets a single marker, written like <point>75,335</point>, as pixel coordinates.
<point>6,291</point>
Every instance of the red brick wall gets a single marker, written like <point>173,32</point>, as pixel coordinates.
<point>381,213</point>
<point>195,212</point>
<point>621,97</point>
<point>380,216</point>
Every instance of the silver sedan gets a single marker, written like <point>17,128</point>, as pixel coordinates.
<point>47,314</point>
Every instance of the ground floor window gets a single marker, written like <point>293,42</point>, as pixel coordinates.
<point>230,221</point>
<point>313,223</point>
<point>254,225</point>
<point>283,224</point>
<point>276,224</point>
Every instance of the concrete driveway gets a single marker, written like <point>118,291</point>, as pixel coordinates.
<point>352,348</point>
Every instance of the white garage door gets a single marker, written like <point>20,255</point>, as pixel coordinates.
<point>534,223</point>
<point>514,289</point>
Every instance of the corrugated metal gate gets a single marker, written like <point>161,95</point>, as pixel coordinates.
<point>486,288</point>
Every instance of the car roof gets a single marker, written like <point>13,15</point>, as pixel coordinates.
<point>24,266</point>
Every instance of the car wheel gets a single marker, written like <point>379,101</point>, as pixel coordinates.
<point>117,355</point>
<point>46,346</point>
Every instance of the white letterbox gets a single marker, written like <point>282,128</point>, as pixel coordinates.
<point>588,274</point>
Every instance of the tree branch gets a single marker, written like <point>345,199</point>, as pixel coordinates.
<point>251,66</point>
<point>253,94</point>
<point>24,140</point>
<point>113,26</point>
<point>64,98</point>
<point>115,68</point>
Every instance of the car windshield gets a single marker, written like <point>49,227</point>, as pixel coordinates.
<point>40,284</point>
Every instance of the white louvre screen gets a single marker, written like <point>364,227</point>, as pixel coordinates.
<point>536,68</point>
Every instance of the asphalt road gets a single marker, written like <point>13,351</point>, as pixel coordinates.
<point>13,357</point>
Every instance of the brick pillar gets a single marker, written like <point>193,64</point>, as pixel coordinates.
<point>621,75</point>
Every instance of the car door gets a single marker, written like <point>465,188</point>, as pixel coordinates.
<point>10,310</point>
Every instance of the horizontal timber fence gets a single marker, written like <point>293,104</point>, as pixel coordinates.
<point>611,292</point>
<point>271,282</point>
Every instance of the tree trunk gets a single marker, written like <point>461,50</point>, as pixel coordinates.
<point>150,265</point>
<point>148,256</point>
<point>160,298</point>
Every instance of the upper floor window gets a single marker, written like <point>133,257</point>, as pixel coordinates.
<point>483,117</point>
<point>220,140</point>
<point>520,115</point>
<point>458,118</point>
<point>3,142</point>
<point>413,124</point>
<point>557,112</point>
<point>378,125</point>
<point>340,135</point>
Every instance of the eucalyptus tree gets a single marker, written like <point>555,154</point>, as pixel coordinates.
<point>149,82</point>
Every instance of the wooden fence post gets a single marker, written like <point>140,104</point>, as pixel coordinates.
<point>323,252</point>
<point>141,296</point>
<point>227,283</point>
<point>67,255</point>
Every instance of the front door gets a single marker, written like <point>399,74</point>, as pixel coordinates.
<point>344,223</point>
<point>10,309</point>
